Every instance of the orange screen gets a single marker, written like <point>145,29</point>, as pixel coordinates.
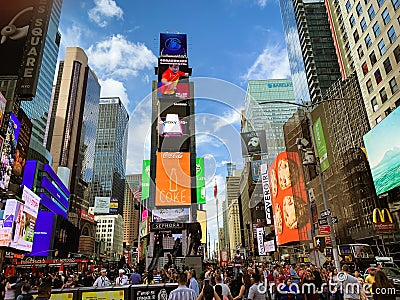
<point>173,179</point>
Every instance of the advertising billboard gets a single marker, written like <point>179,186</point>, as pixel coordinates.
<point>260,241</point>
<point>145,179</point>
<point>100,295</point>
<point>9,221</point>
<point>173,186</point>
<point>267,193</point>
<point>253,142</point>
<point>43,233</point>
<point>173,71</point>
<point>180,215</point>
<point>3,102</point>
<point>321,144</point>
<point>113,206</point>
<point>200,181</point>
<point>255,170</point>
<point>382,220</point>
<point>25,221</point>
<point>289,198</point>
<point>383,149</point>
<point>24,26</point>
<point>173,44</point>
<point>102,205</point>
<point>202,219</point>
<point>21,151</point>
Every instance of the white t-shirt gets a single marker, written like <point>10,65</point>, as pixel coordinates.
<point>225,289</point>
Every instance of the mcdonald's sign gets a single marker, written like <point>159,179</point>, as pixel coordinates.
<point>382,220</point>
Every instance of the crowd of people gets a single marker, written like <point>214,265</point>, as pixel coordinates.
<point>250,282</point>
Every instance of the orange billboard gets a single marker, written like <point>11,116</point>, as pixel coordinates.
<point>173,179</point>
<point>289,199</point>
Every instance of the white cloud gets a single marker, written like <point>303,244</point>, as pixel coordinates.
<point>229,118</point>
<point>118,57</point>
<point>262,3</point>
<point>103,11</point>
<point>113,88</point>
<point>272,63</point>
<point>71,37</point>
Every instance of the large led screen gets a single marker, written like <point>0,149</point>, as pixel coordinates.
<point>172,77</point>
<point>173,179</point>
<point>383,149</point>
<point>145,179</point>
<point>173,44</point>
<point>289,199</point>
<point>253,142</point>
<point>43,234</point>
<point>200,181</point>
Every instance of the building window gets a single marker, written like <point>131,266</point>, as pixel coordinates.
<point>352,21</point>
<point>378,76</point>
<point>360,52</point>
<point>396,53</point>
<point>376,28</point>
<point>387,65</point>
<point>383,95</point>
<point>348,6</point>
<point>363,24</point>
<point>368,41</point>
<point>374,104</point>
<point>378,119</point>
<point>365,68</point>
<point>393,85</point>
<point>359,9</point>
<point>396,4</point>
<point>371,12</point>
<point>356,36</point>
<point>392,34</point>
<point>386,16</point>
<point>382,47</point>
<point>380,2</point>
<point>372,58</point>
<point>370,88</point>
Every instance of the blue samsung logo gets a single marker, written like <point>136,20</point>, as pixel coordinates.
<point>273,85</point>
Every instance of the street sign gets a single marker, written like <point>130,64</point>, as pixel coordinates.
<point>324,221</point>
<point>324,229</point>
<point>325,213</point>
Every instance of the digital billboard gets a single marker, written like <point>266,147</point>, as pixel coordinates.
<point>3,103</point>
<point>255,170</point>
<point>200,181</point>
<point>21,150</point>
<point>9,221</point>
<point>173,71</point>
<point>267,193</point>
<point>145,179</point>
<point>173,186</point>
<point>289,199</point>
<point>321,145</point>
<point>180,215</point>
<point>173,44</point>
<point>43,233</point>
<point>113,206</point>
<point>202,219</point>
<point>253,142</point>
<point>383,149</point>
<point>102,205</point>
<point>24,26</point>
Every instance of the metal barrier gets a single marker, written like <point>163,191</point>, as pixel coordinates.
<point>126,292</point>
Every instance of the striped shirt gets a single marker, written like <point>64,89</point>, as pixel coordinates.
<point>182,293</point>
<point>157,278</point>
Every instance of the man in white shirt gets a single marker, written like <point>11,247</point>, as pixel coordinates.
<point>122,279</point>
<point>225,289</point>
<point>102,280</point>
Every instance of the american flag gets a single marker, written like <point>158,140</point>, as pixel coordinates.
<point>137,194</point>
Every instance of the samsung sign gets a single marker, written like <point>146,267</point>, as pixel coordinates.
<point>282,84</point>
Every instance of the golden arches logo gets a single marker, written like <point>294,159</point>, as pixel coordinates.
<point>381,213</point>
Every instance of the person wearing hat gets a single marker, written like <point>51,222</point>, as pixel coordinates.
<point>370,279</point>
<point>122,279</point>
<point>102,280</point>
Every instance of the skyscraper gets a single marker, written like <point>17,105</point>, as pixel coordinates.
<point>317,47</point>
<point>131,208</point>
<point>37,109</point>
<point>269,117</point>
<point>110,152</point>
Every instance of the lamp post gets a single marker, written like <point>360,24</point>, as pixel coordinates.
<point>307,107</point>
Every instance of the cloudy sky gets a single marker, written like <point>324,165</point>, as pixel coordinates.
<point>229,42</point>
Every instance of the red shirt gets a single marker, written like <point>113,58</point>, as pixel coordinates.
<point>170,77</point>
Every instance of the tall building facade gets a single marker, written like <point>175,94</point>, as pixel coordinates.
<point>110,152</point>
<point>367,32</point>
<point>269,117</point>
<point>232,191</point>
<point>110,232</point>
<point>317,46</point>
<point>37,109</point>
<point>73,124</point>
<point>131,215</point>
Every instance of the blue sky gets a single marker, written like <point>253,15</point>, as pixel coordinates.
<point>229,42</point>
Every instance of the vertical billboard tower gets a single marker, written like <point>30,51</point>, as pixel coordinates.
<point>172,187</point>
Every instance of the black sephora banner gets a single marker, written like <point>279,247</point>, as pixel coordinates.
<point>153,292</point>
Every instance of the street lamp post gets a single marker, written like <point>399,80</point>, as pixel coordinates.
<point>307,108</point>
